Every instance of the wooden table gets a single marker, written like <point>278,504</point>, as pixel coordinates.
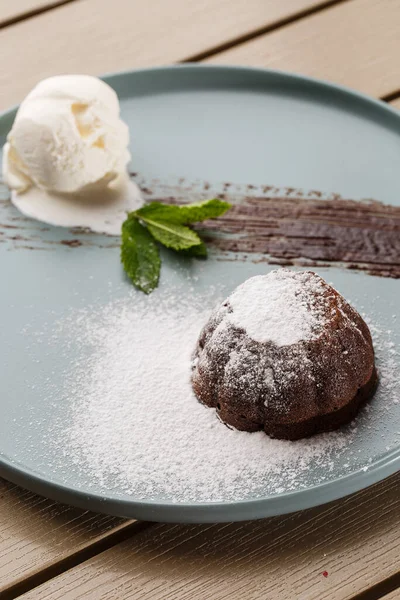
<point>346,549</point>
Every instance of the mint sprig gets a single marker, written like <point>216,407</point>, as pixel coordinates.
<point>140,255</point>
<point>171,235</point>
<point>183,214</point>
<point>166,224</point>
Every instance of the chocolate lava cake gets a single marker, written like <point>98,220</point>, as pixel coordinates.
<point>285,353</point>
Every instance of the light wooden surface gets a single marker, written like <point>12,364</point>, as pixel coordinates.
<point>355,44</point>
<point>80,555</point>
<point>36,533</point>
<point>281,558</point>
<point>18,9</point>
<point>121,34</point>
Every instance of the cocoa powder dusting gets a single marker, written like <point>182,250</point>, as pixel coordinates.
<point>305,231</point>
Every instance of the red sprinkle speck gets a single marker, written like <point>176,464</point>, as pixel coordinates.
<point>325,573</point>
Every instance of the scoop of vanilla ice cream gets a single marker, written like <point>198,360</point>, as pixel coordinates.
<point>67,137</point>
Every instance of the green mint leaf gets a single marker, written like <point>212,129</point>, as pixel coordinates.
<point>199,251</point>
<point>157,211</point>
<point>184,213</point>
<point>201,211</point>
<point>140,256</point>
<point>171,235</point>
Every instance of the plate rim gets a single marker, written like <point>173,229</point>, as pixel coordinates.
<point>223,511</point>
<point>206,512</point>
<point>272,73</point>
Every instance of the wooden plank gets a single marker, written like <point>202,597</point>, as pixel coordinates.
<point>355,43</point>
<point>11,10</point>
<point>99,36</point>
<point>36,533</point>
<point>336,551</point>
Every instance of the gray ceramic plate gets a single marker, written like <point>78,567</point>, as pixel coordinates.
<point>212,124</point>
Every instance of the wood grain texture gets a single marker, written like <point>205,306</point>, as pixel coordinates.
<point>111,36</point>
<point>18,9</point>
<point>36,533</point>
<point>356,43</point>
<point>335,551</point>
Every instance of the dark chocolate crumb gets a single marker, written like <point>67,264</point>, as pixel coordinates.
<point>71,243</point>
<point>146,190</point>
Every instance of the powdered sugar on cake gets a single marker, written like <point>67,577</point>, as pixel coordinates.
<point>282,307</point>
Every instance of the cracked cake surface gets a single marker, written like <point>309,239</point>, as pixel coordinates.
<point>285,352</point>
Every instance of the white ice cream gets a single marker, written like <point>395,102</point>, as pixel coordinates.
<point>66,146</point>
<point>67,135</point>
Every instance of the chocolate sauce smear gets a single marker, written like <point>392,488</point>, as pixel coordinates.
<point>286,226</point>
<point>309,231</point>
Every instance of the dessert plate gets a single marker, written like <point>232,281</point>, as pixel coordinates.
<point>196,129</point>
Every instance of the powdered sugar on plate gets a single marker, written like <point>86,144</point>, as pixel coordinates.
<point>136,428</point>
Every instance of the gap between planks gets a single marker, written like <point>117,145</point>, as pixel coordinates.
<point>395,595</point>
<point>255,33</point>
<point>353,44</point>
<point>118,535</point>
<point>388,589</point>
<point>395,102</point>
<point>31,9</point>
